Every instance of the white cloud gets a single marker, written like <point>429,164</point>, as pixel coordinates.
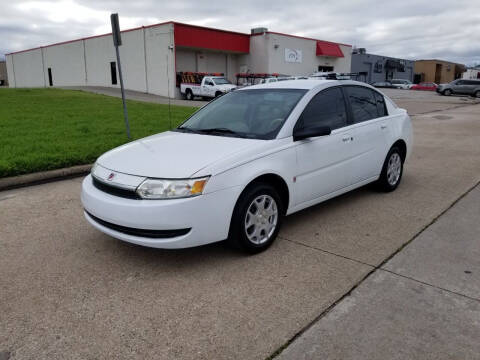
<point>411,28</point>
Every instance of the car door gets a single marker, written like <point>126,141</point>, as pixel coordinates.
<point>323,163</point>
<point>208,88</point>
<point>459,87</point>
<point>369,131</point>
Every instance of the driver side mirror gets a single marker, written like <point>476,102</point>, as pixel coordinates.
<point>313,131</point>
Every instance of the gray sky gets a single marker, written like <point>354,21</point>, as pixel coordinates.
<point>413,29</point>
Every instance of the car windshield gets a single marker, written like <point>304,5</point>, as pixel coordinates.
<point>254,113</point>
<point>221,81</point>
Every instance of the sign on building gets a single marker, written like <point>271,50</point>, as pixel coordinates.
<point>293,55</point>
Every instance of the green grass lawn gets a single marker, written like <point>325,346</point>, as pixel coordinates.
<point>44,129</point>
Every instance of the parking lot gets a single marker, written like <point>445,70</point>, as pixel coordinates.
<point>69,291</point>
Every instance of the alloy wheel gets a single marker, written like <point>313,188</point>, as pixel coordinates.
<point>394,168</point>
<point>261,219</point>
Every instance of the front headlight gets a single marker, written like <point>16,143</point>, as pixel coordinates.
<point>171,189</point>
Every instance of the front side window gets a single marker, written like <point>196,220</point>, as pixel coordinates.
<point>362,102</point>
<point>327,108</point>
<point>256,113</point>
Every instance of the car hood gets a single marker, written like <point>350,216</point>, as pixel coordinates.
<point>172,154</point>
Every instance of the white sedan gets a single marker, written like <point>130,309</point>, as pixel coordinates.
<point>241,163</point>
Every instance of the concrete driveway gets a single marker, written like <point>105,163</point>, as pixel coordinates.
<point>68,291</point>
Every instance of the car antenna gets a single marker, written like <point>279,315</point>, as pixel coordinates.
<point>168,92</point>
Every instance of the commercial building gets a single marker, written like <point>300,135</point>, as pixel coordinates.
<point>437,71</point>
<point>472,73</point>
<point>3,74</point>
<point>376,68</point>
<point>152,56</point>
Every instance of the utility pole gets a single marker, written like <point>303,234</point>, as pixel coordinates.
<point>117,41</point>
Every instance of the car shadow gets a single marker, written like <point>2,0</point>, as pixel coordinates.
<point>194,256</point>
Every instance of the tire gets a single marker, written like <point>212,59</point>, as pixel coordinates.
<point>392,170</point>
<point>476,94</point>
<point>218,93</point>
<point>189,94</point>
<point>243,236</point>
<point>447,92</point>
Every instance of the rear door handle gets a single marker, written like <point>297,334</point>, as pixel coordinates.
<point>383,127</point>
<point>347,138</point>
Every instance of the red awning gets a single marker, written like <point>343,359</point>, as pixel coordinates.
<point>325,48</point>
<point>205,38</point>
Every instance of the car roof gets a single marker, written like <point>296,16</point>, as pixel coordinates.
<point>303,84</point>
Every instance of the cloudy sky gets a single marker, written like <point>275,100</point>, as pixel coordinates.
<point>413,29</point>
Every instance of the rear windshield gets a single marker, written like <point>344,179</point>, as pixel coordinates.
<point>220,81</point>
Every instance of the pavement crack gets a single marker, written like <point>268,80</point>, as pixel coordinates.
<point>431,285</point>
<point>326,251</point>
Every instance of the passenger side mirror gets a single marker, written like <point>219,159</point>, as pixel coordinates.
<point>305,133</point>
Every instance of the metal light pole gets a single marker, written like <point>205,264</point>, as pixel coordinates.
<point>117,41</point>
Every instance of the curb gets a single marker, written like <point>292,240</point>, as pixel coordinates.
<point>43,177</point>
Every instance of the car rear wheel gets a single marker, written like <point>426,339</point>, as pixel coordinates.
<point>392,170</point>
<point>447,92</point>
<point>256,219</point>
<point>189,94</point>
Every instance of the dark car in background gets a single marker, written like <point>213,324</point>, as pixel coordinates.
<point>460,86</point>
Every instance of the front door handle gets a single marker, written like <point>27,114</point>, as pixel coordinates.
<point>347,138</point>
<point>383,127</point>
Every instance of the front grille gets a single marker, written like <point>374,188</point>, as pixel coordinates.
<point>158,234</point>
<point>116,191</point>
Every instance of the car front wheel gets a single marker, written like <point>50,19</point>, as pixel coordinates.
<point>447,92</point>
<point>392,170</point>
<point>256,219</point>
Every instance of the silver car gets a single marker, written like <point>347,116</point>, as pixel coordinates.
<point>460,86</point>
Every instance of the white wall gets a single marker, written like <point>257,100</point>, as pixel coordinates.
<point>257,60</point>
<point>132,55</point>
<point>67,62</point>
<point>186,60</point>
<point>10,72</point>
<point>28,69</point>
<point>100,52</point>
<point>470,74</point>
<point>310,61</point>
<point>212,61</point>
<point>160,60</point>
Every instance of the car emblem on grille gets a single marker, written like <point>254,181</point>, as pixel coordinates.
<point>111,176</point>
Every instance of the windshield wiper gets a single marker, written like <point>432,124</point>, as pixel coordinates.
<point>186,129</point>
<point>218,130</point>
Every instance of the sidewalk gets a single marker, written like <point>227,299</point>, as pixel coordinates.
<point>422,304</point>
<point>136,95</point>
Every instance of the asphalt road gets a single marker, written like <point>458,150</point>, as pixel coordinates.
<point>68,291</point>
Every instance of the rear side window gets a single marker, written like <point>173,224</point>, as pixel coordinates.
<point>363,103</point>
<point>381,107</point>
<point>327,108</point>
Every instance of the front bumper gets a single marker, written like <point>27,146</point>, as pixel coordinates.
<point>207,217</point>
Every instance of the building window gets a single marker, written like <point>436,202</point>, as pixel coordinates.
<point>325,68</point>
<point>378,67</point>
<point>113,72</point>
<point>50,77</point>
